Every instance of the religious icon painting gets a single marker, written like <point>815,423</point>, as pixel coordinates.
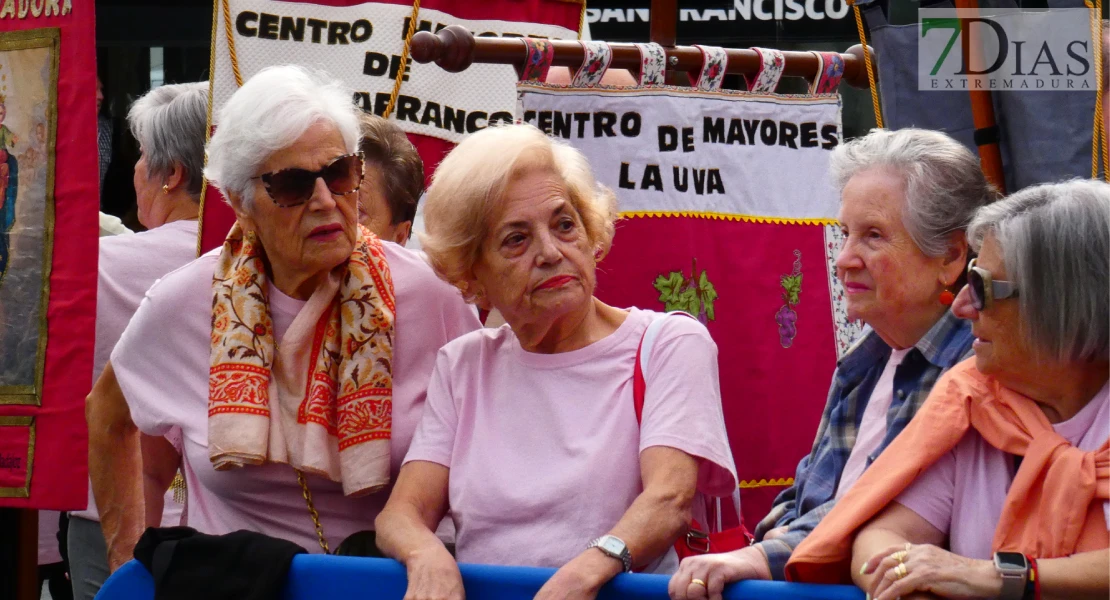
<point>28,116</point>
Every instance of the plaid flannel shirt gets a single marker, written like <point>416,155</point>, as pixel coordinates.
<point>813,494</point>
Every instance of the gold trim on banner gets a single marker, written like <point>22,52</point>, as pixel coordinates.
<point>867,65</point>
<point>208,122</point>
<point>1099,132</point>
<point>751,484</point>
<point>393,95</point>
<point>725,217</point>
<point>29,422</point>
<point>24,40</point>
<point>231,44</point>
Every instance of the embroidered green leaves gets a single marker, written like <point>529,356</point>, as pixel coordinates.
<point>694,295</point>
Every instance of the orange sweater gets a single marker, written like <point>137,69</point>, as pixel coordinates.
<point>1053,508</point>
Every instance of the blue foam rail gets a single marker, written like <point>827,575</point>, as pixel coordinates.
<point>314,576</point>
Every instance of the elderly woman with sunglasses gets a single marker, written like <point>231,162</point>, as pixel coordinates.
<point>293,362</point>
<point>999,487</point>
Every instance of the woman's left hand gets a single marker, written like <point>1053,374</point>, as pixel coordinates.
<point>581,578</point>
<point>933,570</point>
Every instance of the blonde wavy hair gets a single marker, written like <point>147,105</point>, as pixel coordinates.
<point>468,192</point>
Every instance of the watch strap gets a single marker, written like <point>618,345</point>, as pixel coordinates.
<point>624,556</point>
<point>1013,581</point>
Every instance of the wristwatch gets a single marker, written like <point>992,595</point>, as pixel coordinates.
<point>615,547</point>
<point>1014,569</point>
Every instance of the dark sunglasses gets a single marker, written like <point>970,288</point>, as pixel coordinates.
<point>293,187</point>
<point>984,289</point>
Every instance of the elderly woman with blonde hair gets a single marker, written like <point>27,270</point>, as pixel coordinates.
<point>292,363</point>
<point>530,433</point>
<point>1000,487</point>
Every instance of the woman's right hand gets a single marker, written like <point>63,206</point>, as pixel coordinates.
<point>705,576</point>
<point>433,575</point>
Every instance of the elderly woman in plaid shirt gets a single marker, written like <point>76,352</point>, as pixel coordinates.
<point>907,197</point>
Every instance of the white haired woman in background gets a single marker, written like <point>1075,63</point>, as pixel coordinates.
<point>169,123</point>
<point>530,434</point>
<point>294,360</point>
<point>1000,487</point>
<point>906,198</point>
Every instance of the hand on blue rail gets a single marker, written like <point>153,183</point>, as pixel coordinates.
<point>704,577</point>
<point>581,578</point>
<point>433,575</point>
<point>933,570</point>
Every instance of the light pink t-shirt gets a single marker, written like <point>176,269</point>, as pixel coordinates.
<point>162,365</point>
<point>48,537</point>
<point>129,265</point>
<point>543,449</point>
<point>872,427</point>
<point>964,492</point>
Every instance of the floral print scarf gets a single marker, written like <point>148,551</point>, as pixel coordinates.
<point>321,400</point>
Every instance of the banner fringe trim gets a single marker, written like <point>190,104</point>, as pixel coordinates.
<point>750,484</point>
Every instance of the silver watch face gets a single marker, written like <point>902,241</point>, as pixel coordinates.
<point>611,545</point>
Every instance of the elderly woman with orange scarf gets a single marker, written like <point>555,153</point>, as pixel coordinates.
<point>292,363</point>
<point>999,487</point>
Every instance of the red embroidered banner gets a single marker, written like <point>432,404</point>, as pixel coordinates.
<point>48,249</point>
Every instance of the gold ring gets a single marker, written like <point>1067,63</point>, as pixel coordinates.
<point>899,555</point>
<point>908,546</point>
<point>901,570</point>
<point>698,582</point>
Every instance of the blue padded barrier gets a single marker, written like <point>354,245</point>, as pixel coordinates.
<point>314,576</point>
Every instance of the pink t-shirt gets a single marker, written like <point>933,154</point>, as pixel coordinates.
<point>162,365</point>
<point>129,265</point>
<point>48,537</point>
<point>964,492</point>
<point>872,427</point>
<point>544,448</point>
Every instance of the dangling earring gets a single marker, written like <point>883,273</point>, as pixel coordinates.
<point>947,298</point>
<point>166,189</point>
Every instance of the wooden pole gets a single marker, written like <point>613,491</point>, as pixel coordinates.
<point>454,49</point>
<point>664,22</point>
<point>982,107</point>
<point>27,559</point>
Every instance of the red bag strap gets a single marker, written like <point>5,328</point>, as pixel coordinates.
<point>639,386</point>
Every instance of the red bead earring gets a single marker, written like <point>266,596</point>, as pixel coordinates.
<point>947,298</point>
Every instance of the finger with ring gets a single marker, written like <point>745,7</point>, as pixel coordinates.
<point>901,570</point>
<point>698,582</point>
<point>900,555</point>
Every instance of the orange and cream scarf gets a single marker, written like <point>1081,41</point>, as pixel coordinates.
<point>1053,507</point>
<point>321,400</point>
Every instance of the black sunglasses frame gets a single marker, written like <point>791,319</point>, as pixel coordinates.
<point>267,179</point>
<point>984,289</point>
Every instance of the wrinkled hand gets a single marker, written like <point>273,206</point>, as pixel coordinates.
<point>931,570</point>
<point>716,570</point>
<point>434,575</point>
<point>581,578</point>
<point>776,532</point>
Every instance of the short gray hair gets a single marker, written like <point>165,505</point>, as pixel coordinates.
<point>944,182</point>
<point>272,110</point>
<point>1055,242</point>
<point>170,122</point>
